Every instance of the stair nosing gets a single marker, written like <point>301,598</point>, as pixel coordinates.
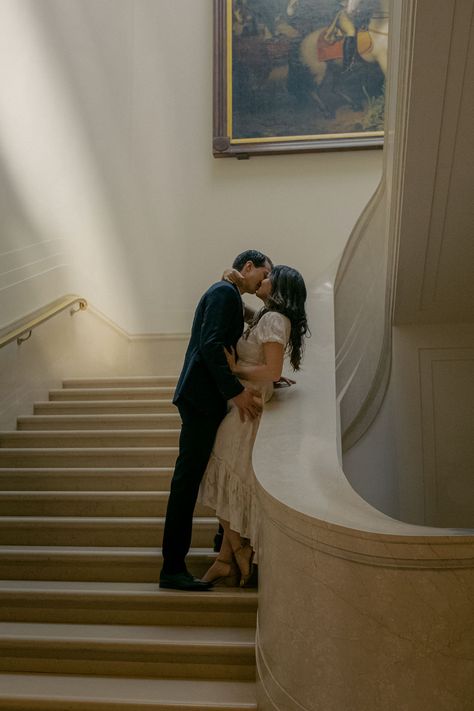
<point>158,688</point>
<point>101,402</point>
<point>24,434</point>
<point>98,634</point>
<point>113,551</point>
<point>85,470</point>
<point>108,520</point>
<point>89,592</point>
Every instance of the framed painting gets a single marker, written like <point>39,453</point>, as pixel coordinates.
<point>298,75</point>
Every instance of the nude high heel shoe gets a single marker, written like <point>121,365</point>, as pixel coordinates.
<point>222,572</point>
<point>244,557</point>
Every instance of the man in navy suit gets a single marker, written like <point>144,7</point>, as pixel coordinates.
<point>204,388</point>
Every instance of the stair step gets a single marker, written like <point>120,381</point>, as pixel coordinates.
<point>129,650</point>
<point>97,563</point>
<point>95,531</point>
<point>111,394</point>
<point>88,503</point>
<point>161,421</point>
<point>97,407</point>
<point>137,381</point>
<point>124,604</point>
<point>93,479</point>
<point>88,457</point>
<point>85,626</point>
<point>83,438</point>
<point>44,692</point>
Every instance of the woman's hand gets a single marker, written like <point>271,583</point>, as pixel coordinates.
<point>284,382</point>
<point>233,276</point>
<point>231,359</point>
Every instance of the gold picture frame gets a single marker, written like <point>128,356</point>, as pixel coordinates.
<point>285,80</point>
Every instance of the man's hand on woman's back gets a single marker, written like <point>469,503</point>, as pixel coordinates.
<point>249,403</point>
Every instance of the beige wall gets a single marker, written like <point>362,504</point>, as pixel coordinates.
<point>415,461</point>
<point>109,188</point>
<point>75,345</point>
<point>433,374</point>
<point>370,465</point>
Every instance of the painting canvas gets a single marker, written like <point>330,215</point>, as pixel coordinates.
<point>293,75</point>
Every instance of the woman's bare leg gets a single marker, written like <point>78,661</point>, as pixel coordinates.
<point>241,549</point>
<point>231,537</point>
<point>226,553</point>
<point>224,567</point>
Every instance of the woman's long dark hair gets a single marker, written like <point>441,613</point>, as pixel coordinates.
<point>288,297</point>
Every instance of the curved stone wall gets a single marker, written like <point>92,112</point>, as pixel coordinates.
<point>357,610</point>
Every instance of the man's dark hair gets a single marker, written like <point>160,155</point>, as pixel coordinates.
<point>251,255</point>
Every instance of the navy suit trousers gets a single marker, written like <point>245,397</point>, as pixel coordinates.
<point>198,432</point>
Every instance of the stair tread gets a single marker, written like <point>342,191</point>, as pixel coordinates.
<point>57,440</point>
<point>84,470</point>
<point>138,379</point>
<point>158,634</point>
<point>91,520</point>
<point>92,450</point>
<point>83,494</point>
<point>218,598</point>
<point>107,407</point>
<point>94,420</point>
<point>117,416</point>
<point>130,551</point>
<point>157,389</point>
<point>83,403</point>
<point>139,416</point>
<point>108,588</point>
<point>181,692</point>
<point>134,404</point>
<point>111,393</point>
<point>94,479</point>
<point>111,417</point>
<point>25,434</point>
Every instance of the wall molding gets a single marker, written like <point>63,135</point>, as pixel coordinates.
<point>424,551</point>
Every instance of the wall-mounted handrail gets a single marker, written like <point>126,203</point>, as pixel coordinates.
<point>21,331</point>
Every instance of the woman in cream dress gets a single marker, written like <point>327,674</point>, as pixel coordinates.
<point>228,485</point>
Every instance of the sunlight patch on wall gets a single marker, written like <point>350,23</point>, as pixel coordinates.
<point>49,166</point>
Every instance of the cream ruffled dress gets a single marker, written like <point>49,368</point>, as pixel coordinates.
<point>228,485</point>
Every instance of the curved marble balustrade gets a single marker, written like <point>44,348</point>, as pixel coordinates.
<point>357,611</point>
<point>364,281</point>
<point>363,324</point>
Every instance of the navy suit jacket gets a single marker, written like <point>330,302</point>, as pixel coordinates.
<point>206,380</point>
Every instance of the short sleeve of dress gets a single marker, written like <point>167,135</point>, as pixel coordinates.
<point>274,328</point>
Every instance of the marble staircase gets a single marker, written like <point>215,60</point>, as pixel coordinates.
<point>83,624</point>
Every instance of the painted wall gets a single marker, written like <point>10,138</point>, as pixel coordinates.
<point>371,465</point>
<point>415,461</point>
<point>108,187</point>
<point>433,378</point>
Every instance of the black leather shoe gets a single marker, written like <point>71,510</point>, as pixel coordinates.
<point>183,581</point>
